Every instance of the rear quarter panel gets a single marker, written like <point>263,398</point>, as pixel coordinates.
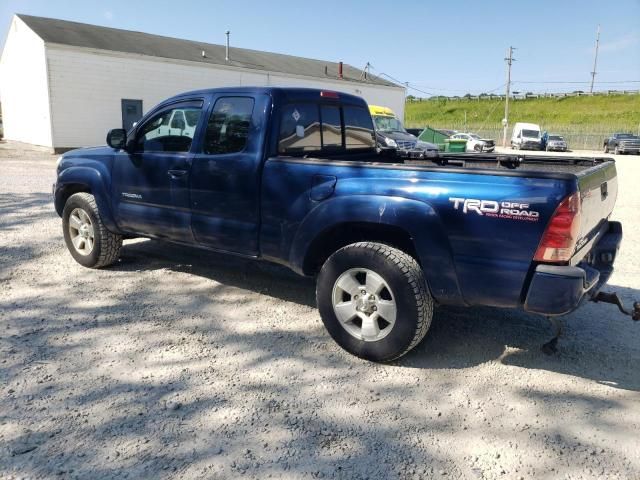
<point>469,257</point>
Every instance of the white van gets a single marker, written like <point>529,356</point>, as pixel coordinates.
<point>526,136</point>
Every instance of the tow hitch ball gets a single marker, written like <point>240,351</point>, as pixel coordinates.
<point>615,300</point>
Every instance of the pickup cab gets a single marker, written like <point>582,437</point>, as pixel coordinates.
<point>621,143</point>
<point>292,176</point>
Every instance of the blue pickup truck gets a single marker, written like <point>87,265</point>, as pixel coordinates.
<point>292,176</point>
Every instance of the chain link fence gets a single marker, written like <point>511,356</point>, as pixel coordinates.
<point>578,137</point>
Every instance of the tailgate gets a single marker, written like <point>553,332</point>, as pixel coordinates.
<point>598,191</point>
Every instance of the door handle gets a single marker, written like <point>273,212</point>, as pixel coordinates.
<point>176,173</point>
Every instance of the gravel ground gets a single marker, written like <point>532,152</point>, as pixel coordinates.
<point>184,364</point>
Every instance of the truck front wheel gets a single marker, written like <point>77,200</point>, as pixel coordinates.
<point>88,240</point>
<point>374,300</point>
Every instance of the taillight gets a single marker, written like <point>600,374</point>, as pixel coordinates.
<point>561,235</point>
<point>328,94</point>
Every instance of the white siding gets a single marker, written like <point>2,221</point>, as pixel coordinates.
<point>23,87</point>
<point>87,87</point>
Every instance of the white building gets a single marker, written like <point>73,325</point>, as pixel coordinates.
<point>65,84</point>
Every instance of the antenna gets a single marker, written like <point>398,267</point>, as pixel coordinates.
<point>226,56</point>
<point>595,60</point>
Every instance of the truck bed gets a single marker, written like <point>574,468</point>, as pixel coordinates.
<point>507,163</point>
<point>498,249</point>
<point>532,163</point>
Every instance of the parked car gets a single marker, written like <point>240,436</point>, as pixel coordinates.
<point>621,143</point>
<point>526,136</point>
<point>446,132</point>
<point>475,143</point>
<point>292,176</point>
<point>555,143</point>
<point>391,135</point>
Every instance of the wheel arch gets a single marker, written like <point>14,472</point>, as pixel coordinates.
<point>410,225</point>
<point>84,179</point>
<point>65,191</point>
<point>340,235</point>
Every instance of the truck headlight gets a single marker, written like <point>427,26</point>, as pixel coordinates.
<point>390,142</point>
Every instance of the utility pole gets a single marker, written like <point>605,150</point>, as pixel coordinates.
<point>365,72</point>
<point>226,52</point>
<point>505,121</point>
<point>595,60</point>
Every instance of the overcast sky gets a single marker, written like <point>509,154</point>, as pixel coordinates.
<point>447,48</point>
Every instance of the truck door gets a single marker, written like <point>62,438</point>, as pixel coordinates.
<point>225,175</point>
<point>151,183</point>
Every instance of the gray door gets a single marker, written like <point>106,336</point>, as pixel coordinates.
<point>131,112</point>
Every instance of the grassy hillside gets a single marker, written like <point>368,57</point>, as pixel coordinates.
<point>583,120</point>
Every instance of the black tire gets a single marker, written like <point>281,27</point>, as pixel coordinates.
<point>404,276</point>
<point>106,245</point>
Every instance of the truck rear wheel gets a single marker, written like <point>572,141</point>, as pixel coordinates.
<point>374,300</point>
<point>88,240</point>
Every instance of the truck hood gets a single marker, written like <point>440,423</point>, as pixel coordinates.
<point>90,151</point>
<point>402,136</point>
<point>93,157</point>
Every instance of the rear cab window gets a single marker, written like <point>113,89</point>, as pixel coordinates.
<point>228,126</point>
<point>324,128</point>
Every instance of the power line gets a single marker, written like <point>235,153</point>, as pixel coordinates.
<point>404,84</point>
<point>576,82</point>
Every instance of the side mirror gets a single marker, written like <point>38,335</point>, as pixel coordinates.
<point>117,138</point>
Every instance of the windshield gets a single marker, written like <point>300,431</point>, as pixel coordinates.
<point>474,136</point>
<point>625,135</point>
<point>555,137</point>
<point>388,124</point>
<point>531,133</point>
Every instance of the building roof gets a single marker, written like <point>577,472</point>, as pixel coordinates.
<point>76,34</point>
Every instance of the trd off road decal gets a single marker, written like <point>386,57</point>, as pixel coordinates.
<point>491,208</point>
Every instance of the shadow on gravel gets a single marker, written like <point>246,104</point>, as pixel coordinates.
<point>594,344</point>
<point>138,405</point>
<point>598,343</point>
<point>261,277</point>
<point>15,207</point>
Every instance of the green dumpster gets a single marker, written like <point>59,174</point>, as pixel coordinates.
<point>455,145</point>
<point>432,135</point>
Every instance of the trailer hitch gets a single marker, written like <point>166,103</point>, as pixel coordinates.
<point>615,300</point>
<point>551,346</point>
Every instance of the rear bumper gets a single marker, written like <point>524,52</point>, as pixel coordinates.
<point>559,289</point>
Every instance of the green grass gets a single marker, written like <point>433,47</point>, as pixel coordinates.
<point>583,121</point>
<point>585,113</point>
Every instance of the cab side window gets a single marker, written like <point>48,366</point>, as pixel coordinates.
<point>228,125</point>
<point>168,131</point>
<point>358,128</point>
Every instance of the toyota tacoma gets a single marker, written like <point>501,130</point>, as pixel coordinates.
<point>292,176</point>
